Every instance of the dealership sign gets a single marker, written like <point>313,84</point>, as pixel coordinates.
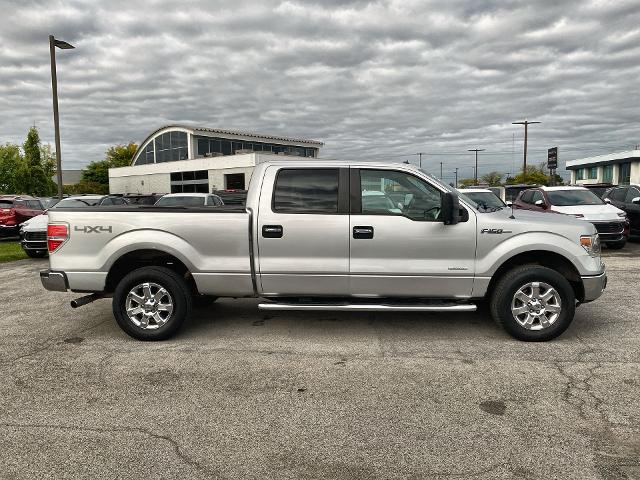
<point>552,158</point>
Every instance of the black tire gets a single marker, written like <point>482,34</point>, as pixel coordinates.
<point>616,245</point>
<point>174,284</point>
<point>36,253</point>
<point>506,288</point>
<point>203,300</point>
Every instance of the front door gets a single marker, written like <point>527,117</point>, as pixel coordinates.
<point>400,247</point>
<point>303,232</point>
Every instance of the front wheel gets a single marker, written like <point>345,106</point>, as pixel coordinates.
<point>151,303</point>
<point>533,303</point>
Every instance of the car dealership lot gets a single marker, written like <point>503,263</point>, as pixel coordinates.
<point>241,393</point>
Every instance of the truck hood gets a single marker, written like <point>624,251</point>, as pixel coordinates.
<point>527,220</point>
<point>36,224</point>
<point>593,213</point>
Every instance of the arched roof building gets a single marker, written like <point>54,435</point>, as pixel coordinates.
<point>181,158</point>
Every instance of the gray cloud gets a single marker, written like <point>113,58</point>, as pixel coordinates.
<point>372,80</point>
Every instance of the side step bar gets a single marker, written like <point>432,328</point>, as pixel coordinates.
<point>371,307</point>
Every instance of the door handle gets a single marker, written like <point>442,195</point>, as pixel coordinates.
<point>272,231</point>
<point>363,232</point>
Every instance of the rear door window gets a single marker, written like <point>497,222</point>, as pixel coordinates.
<point>306,191</point>
<point>34,204</point>
<point>619,194</point>
<point>527,196</point>
<point>537,195</point>
<point>632,193</point>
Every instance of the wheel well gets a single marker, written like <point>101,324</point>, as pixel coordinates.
<point>543,258</point>
<point>146,258</point>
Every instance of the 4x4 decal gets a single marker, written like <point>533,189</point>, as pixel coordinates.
<point>93,229</point>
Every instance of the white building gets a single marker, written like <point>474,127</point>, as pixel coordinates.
<point>617,168</point>
<point>178,158</point>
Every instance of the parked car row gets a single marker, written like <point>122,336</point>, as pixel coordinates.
<point>33,230</point>
<point>616,215</point>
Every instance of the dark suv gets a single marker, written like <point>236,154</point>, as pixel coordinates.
<point>15,210</point>
<point>627,198</point>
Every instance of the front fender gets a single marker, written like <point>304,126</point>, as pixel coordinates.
<point>491,257</point>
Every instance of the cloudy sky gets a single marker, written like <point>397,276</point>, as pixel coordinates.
<point>373,80</point>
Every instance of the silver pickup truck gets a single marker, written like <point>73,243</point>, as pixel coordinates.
<point>326,235</point>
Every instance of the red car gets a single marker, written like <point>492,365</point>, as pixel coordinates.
<point>17,209</point>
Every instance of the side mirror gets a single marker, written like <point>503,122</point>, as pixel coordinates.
<point>540,203</point>
<point>607,200</point>
<point>636,200</point>
<point>450,208</point>
<point>509,203</point>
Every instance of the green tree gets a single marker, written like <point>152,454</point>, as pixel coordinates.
<point>121,155</point>
<point>10,162</point>
<point>117,156</point>
<point>535,175</point>
<point>491,178</point>
<point>466,182</point>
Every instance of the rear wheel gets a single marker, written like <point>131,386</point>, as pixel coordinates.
<point>533,303</point>
<point>151,303</point>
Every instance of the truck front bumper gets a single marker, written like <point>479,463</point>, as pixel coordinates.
<point>594,286</point>
<point>55,281</point>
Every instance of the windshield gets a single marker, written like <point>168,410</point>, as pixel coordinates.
<point>77,203</point>
<point>48,202</point>
<point>180,202</point>
<point>565,198</point>
<point>485,199</point>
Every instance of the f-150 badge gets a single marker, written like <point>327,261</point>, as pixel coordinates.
<point>496,231</point>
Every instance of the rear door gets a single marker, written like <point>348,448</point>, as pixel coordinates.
<point>303,231</point>
<point>400,247</point>
<point>633,209</point>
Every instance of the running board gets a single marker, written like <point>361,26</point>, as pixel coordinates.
<point>370,307</point>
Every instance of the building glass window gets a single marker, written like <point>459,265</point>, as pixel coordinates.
<point>171,147</point>
<point>607,174</point>
<point>625,173</point>
<point>593,173</point>
<point>580,174</point>
<point>190,182</point>
<point>214,145</point>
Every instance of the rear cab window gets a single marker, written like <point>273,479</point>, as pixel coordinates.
<point>306,190</point>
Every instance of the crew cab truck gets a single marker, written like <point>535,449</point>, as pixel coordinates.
<point>311,238</point>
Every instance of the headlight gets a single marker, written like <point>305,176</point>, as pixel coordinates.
<point>622,215</point>
<point>591,243</point>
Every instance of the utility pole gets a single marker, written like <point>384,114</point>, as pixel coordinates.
<point>456,177</point>
<point>526,124</point>
<point>440,170</point>
<point>420,157</point>
<point>475,175</point>
<point>53,43</point>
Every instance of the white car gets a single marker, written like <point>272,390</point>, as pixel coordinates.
<point>483,197</point>
<point>610,222</point>
<point>189,200</point>
<point>33,232</point>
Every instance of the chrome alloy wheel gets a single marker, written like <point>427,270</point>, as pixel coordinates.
<point>149,306</point>
<point>536,306</point>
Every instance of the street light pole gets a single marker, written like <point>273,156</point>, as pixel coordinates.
<point>53,43</point>
<point>440,170</point>
<point>456,177</point>
<point>420,157</point>
<point>526,130</point>
<point>475,181</point>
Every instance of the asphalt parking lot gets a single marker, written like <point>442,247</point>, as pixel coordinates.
<point>245,394</point>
